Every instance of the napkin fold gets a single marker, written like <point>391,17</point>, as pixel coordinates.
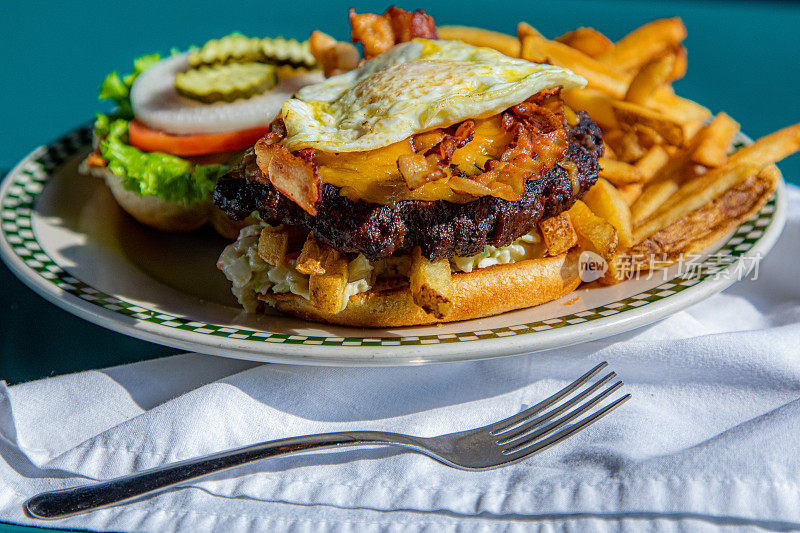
<point>711,436</point>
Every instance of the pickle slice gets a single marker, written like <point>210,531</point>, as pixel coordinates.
<point>226,83</point>
<point>290,52</point>
<point>233,48</point>
<point>237,48</point>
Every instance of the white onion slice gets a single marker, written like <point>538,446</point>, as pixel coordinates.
<point>156,102</point>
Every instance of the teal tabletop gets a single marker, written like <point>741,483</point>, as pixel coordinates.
<point>742,60</point>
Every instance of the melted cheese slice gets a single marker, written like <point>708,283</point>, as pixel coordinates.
<point>372,176</point>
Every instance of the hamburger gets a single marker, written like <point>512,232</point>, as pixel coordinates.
<point>410,190</point>
<point>184,120</point>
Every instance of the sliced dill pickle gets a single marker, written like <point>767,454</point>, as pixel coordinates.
<point>290,52</point>
<point>226,83</point>
<point>233,48</point>
<point>238,48</point>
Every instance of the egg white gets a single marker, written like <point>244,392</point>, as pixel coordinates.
<point>413,87</point>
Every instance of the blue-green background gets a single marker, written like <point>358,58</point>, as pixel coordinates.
<point>743,59</point>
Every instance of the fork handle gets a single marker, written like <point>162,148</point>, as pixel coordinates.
<point>65,502</point>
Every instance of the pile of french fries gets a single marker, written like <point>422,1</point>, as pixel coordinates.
<point>666,157</point>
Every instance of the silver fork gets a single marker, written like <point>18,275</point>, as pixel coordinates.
<point>498,444</point>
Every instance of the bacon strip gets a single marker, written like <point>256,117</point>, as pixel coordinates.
<point>378,33</point>
<point>296,176</point>
<point>408,25</point>
<point>539,141</point>
<point>450,143</point>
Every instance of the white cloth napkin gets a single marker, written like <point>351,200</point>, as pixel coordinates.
<point>711,436</point>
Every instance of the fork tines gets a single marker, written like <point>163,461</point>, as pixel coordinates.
<point>530,432</point>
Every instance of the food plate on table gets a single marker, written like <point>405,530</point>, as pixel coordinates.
<point>670,220</point>
<point>91,259</point>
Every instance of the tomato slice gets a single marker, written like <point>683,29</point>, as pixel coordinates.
<point>150,140</point>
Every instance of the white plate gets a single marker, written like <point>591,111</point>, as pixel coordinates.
<point>64,236</point>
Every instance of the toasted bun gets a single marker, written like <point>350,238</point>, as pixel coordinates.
<point>155,212</point>
<point>483,292</point>
<point>167,216</point>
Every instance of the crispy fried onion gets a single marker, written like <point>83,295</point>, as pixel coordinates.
<point>378,33</point>
<point>294,175</point>
<point>539,141</point>
<point>434,152</point>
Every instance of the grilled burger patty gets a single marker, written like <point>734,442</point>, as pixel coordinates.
<point>441,229</point>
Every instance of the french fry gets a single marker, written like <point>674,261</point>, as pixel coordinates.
<point>606,202</point>
<point>664,100</point>
<point>665,182</point>
<point>765,151</point>
<point>630,192</point>
<point>431,284</point>
<point>619,269</point>
<point>629,148</point>
<point>712,151</point>
<point>652,197</point>
<point>629,115</point>
<point>594,233</point>
<point>558,234</point>
<point>679,167</point>
<point>524,29</point>
<point>771,174</point>
<point>651,76</point>
<point>690,129</point>
<point>273,244</point>
<point>680,64</point>
<point>598,75</point>
<point>596,103</point>
<point>618,172</point>
<point>648,137</point>
<point>695,194</point>
<point>770,148</point>
<point>326,291</point>
<point>507,44</point>
<point>315,257</point>
<point>613,138</point>
<point>653,161</point>
<point>644,43</point>
<point>608,151</point>
<point>333,56</point>
<point>709,222</point>
<point>588,40</point>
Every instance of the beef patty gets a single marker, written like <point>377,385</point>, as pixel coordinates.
<point>441,229</point>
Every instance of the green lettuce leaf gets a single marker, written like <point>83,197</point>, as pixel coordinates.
<point>166,176</point>
<point>118,88</point>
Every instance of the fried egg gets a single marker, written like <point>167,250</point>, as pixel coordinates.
<point>413,87</point>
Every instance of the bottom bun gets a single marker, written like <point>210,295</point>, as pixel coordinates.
<point>167,216</point>
<point>483,292</point>
<point>155,212</point>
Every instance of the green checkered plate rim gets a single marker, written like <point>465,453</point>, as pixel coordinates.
<point>24,254</point>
